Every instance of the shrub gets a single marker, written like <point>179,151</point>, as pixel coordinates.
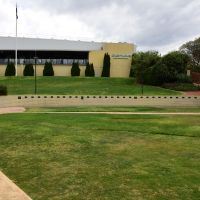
<point>48,69</point>
<point>3,90</point>
<point>28,70</point>
<point>181,86</point>
<point>10,69</point>
<point>89,71</point>
<point>183,78</point>
<point>75,70</point>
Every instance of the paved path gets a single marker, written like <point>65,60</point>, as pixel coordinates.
<point>192,93</point>
<point>121,113</point>
<point>22,110</point>
<point>12,110</point>
<point>9,191</point>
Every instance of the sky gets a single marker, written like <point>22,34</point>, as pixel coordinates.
<point>160,25</point>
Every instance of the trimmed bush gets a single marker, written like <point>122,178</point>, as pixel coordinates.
<point>28,70</point>
<point>10,70</point>
<point>3,90</point>
<point>48,69</point>
<point>89,71</point>
<point>75,70</point>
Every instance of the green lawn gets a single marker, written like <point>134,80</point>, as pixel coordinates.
<point>80,86</point>
<point>116,109</point>
<point>98,157</point>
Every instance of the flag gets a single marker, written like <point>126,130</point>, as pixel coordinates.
<point>16,12</point>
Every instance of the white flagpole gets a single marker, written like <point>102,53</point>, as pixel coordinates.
<point>16,43</point>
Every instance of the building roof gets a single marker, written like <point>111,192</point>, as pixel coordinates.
<point>9,43</point>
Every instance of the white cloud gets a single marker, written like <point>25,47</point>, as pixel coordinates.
<point>151,24</point>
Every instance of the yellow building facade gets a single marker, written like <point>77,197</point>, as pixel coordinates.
<point>75,51</point>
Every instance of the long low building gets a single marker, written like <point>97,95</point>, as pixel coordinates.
<point>62,53</point>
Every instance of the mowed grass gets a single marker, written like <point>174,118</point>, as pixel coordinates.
<point>76,157</point>
<point>80,86</point>
<point>116,109</point>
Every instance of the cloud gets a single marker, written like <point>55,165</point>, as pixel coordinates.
<point>151,24</point>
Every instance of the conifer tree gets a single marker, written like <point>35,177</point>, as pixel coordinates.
<point>106,66</point>
<point>75,70</point>
<point>28,70</point>
<point>10,69</point>
<point>48,69</point>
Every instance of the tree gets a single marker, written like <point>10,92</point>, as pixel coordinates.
<point>176,63</point>
<point>92,72</point>
<point>89,71</point>
<point>192,49</point>
<point>106,66</point>
<point>28,70</point>
<point>159,74</point>
<point>75,70</point>
<point>10,69</point>
<point>48,69</point>
<point>142,63</point>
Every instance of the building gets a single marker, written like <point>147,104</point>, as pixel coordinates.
<point>62,53</point>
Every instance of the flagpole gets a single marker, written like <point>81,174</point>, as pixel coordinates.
<point>16,43</point>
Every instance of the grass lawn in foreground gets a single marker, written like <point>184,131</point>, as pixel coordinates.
<point>76,157</point>
<point>79,86</point>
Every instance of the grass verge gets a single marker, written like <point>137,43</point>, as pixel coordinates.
<point>80,86</point>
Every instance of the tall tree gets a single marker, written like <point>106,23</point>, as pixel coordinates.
<point>106,66</point>
<point>192,48</point>
<point>176,63</point>
<point>142,63</point>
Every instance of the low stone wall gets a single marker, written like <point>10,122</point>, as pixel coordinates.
<point>65,100</point>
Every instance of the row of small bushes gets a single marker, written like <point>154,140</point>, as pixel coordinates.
<point>48,70</point>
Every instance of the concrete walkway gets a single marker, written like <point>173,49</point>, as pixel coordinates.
<point>9,191</point>
<point>12,110</point>
<point>22,110</point>
<point>121,113</point>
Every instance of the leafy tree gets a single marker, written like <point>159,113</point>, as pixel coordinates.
<point>159,74</point>
<point>142,63</point>
<point>48,69</point>
<point>192,49</point>
<point>28,70</point>
<point>75,70</point>
<point>106,66</point>
<point>89,71</point>
<point>10,69</point>
<point>176,63</point>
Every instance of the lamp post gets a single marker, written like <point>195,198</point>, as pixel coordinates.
<point>35,75</point>
<point>142,87</point>
<point>142,84</point>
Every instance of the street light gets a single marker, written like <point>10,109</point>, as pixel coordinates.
<point>35,75</point>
